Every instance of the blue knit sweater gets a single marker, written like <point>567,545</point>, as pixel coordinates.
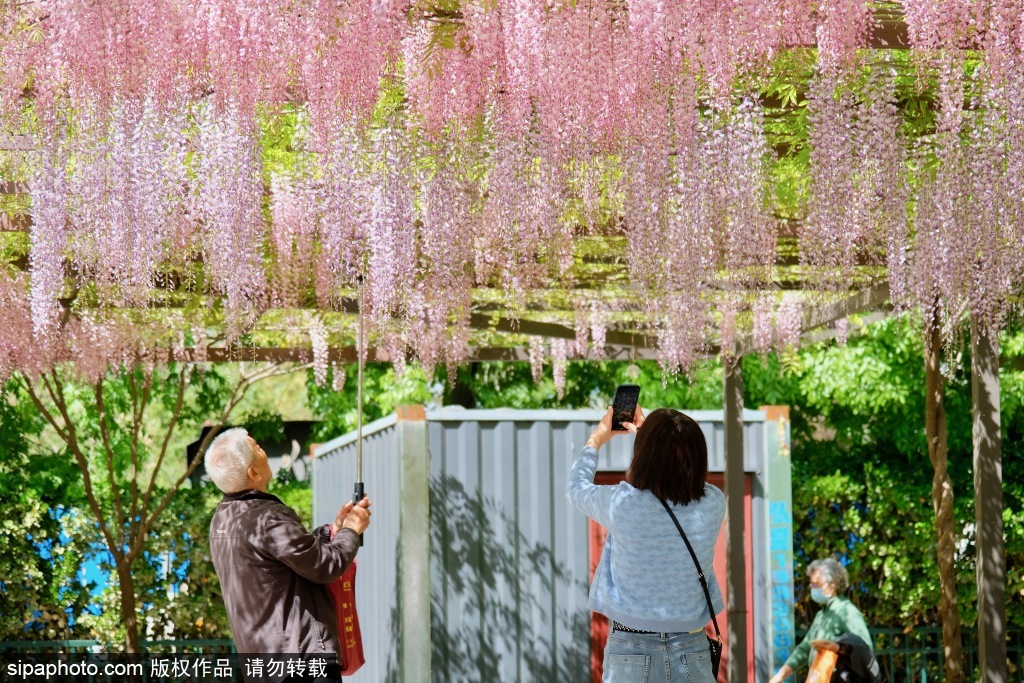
<point>646,579</point>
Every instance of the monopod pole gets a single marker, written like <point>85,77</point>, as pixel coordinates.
<point>357,495</point>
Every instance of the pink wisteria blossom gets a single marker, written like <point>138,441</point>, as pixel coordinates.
<point>559,354</point>
<point>49,236</point>
<point>536,351</point>
<point>788,324</point>
<point>857,179</point>
<point>445,148</point>
<point>318,339</point>
<point>228,193</point>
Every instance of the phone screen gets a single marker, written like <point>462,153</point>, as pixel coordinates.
<point>624,405</point>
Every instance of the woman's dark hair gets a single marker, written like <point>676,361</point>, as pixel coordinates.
<point>670,457</point>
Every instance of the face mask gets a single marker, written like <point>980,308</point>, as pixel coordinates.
<point>818,595</point>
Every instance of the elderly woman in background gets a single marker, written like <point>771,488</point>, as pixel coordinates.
<point>646,583</point>
<point>839,616</point>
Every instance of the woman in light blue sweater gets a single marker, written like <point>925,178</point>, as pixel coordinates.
<point>646,583</point>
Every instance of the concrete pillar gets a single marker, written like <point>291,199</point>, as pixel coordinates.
<point>414,545</point>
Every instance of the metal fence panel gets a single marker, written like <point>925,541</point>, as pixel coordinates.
<point>377,589</point>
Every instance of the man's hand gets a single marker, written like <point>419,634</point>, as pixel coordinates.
<point>781,675</point>
<point>354,517</point>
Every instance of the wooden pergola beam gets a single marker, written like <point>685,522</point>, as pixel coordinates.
<point>619,345</point>
<point>8,187</point>
<point>347,354</point>
<point>873,298</point>
<point>19,222</point>
<point>870,299</point>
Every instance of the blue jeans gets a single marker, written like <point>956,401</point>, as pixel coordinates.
<point>657,658</point>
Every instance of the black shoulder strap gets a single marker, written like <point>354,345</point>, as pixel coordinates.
<point>700,572</point>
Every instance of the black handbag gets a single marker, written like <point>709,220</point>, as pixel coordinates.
<point>716,642</point>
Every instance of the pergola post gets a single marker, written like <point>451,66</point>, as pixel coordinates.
<point>988,506</point>
<point>414,650</point>
<point>735,562</point>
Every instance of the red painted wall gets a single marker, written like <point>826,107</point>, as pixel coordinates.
<point>599,623</point>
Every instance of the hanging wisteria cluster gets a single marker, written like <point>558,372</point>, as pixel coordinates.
<point>967,228</point>
<point>858,183</point>
<point>441,147</point>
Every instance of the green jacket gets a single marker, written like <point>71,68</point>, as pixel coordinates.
<point>837,617</point>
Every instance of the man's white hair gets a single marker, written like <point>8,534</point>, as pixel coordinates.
<point>228,458</point>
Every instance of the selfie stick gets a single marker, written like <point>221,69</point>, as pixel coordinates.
<point>359,489</point>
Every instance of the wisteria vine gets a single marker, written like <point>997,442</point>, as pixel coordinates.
<point>443,148</point>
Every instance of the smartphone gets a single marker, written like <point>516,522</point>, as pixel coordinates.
<point>624,405</point>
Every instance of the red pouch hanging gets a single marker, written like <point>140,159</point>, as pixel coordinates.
<point>343,595</point>
<point>350,638</point>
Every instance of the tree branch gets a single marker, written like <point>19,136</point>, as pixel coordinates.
<point>43,410</point>
<point>71,439</point>
<point>139,403</point>
<point>175,416</point>
<point>101,407</point>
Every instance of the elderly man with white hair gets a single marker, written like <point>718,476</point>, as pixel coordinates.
<point>273,572</point>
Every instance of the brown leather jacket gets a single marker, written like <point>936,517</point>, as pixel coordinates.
<point>273,574</point>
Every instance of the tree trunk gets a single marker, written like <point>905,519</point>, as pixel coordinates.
<point>128,612</point>
<point>942,500</point>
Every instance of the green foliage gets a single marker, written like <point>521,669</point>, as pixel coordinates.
<point>113,441</point>
<point>264,426</point>
<point>587,385</point>
<point>862,477</point>
<point>298,495</point>
<point>1012,407</point>
<point>43,535</point>
<point>175,582</point>
<point>278,128</point>
<point>863,400</point>
<point>383,391</point>
<point>883,528</point>
<point>504,385</point>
